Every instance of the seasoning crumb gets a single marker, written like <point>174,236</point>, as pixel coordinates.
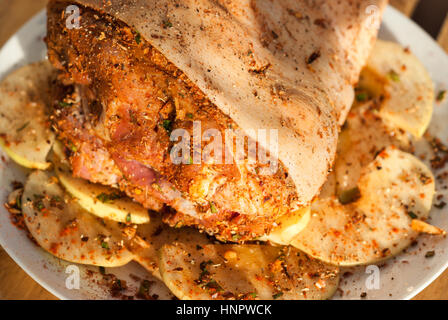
<point>394,76</point>
<point>313,57</point>
<point>440,205</point>
<point>441,96</point>
<point>430,254</point>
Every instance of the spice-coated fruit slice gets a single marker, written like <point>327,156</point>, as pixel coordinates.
<point>406,86</point>
<point>102,201</point>
<point>363,136</point>
<point>24,131</point>
<point>220,271</point>
<point>153,236</point>
<point>394,189</point>
<point>63,228</point>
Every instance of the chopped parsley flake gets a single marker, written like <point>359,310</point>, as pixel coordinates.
<point>105,198</point>
<point>412,215</point>
<point>145,285</point>
<point>277,295</point>
<point>19,202</point>
<point>38,202</point>
<point>157,187</point>
<point>23,127</point>
<point>361,97</point>
<point>212,285</point>
<point>213,208</point>
<point>167,24</point>
<point>441,96</point>
<point>394,76</point>
<point>236,237</point>
<point>73,148</point>
<point>167,125</point>
<point>138,38</point>
<point>349,196</point>
<point>65,104</point>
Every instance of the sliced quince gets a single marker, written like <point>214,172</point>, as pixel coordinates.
<point>25,133</point>
<point>404,84</point>
<point>376,222</point>
<point>60,226</point>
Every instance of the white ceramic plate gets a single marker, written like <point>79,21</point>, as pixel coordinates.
<point>400,278</point>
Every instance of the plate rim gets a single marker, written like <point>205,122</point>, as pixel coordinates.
<point>390,12</point>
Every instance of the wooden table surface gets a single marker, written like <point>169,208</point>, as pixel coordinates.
<point>14,282</point>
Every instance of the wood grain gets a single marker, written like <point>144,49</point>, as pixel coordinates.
<point>14,13</point>
<point>14,282</point>
<point>443,35</point>
<point>405,6</point>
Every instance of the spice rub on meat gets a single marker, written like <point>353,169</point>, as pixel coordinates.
<point>116,124</point>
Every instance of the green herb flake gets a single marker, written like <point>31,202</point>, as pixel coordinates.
<point>23,127</point>
<point>38,202</point>
<point>19,202</point>
<point>253,294</point>
<point>128,218</point>
<point>138,38</point>
<point>441,95</point>
<point>178,225</point>
<point>213,208</point>
<point>212,285</point>
<point>65,104</point>
<point>277,295</point>
<point>190,115</point>
<point>73,147</point>
<point>361,97</point>
<point>203,265</point>
<point>144,287</point>
<point>349,196</point>
<point>40,206</point>
<point>204,272</point>
<point>236,237</point>
<point>167,24</point>
<point>104,245</point>
<point>106,198</point>
<point>394,76</point>
<point>412,215</point>
<point>157,187</point>
<point>167,125</point>
<point>56,199</point>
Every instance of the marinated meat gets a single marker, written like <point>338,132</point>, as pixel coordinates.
<point>128,98</point>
